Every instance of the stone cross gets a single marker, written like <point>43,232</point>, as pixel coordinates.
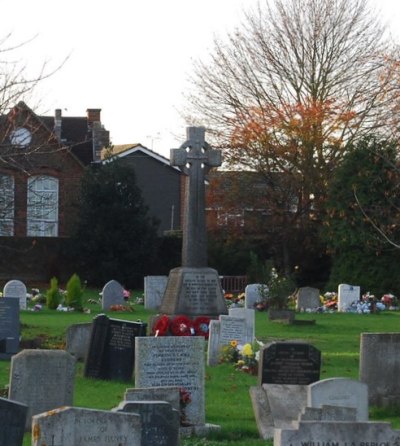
<point>195,158</point>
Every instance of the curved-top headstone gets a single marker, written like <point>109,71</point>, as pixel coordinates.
<point>112,294</point>
<point>16,289</point>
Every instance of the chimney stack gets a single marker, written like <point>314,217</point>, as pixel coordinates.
<point>58,123</point>
<point>93,115</point>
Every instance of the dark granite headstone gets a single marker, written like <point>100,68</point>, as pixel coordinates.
<point>289,363</point>
<point>160,422</point>
<point>12,426</point>
<point>9,327</point>
<point>111,352</point>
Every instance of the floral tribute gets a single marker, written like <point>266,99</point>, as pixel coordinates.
<point>181,326</point>
<point>244,357</point>
<point>184,400</point>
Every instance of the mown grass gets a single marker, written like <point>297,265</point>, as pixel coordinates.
<point>227,390</point>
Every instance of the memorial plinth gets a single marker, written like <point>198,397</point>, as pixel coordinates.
<point>194,289</point>
<point>193,292</point>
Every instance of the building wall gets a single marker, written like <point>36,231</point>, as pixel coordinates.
<point>161,189</point>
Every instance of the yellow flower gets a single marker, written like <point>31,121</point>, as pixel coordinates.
<point>234,344</point>
<point>240,362</point>
<point>247,350</point>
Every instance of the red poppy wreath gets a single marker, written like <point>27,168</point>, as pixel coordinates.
<point>181,326</point>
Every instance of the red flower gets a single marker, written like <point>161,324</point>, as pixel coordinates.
<point>201,326</point>
<point>181,326</point>
<point>160,328</point>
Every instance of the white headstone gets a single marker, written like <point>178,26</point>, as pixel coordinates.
<point>154,287</point>
<point>347,294</point>
<point>72,426</point>
<point>249,316</point>
<point>254,293</point>
<point>112,294</point>
<point>342,392</point>
<point>16,289</point>
<point>173,361</point>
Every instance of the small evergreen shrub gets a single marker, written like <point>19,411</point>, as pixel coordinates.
<point>74,293</point>
<point>53,295</point>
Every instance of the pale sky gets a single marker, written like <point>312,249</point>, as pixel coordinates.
<point>131,58</point>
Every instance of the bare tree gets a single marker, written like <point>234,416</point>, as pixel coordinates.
<point>297,83</point>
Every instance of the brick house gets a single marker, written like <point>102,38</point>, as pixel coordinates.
<point>42,160</point>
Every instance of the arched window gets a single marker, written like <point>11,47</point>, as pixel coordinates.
<point>42,206</point>
<point>6,205</point>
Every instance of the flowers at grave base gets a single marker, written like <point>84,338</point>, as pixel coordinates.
<point>390,301</point>
<point>126,294</point>
<point>120,308</point>
<point>184,400</point>
<point>181,326</point>
<point>161,327</point>
<point>234,300</point>
<point>244,357</point>
<point>201,326</point>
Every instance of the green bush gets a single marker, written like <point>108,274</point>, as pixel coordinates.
<point>53,295</point>
<point>74,292</point>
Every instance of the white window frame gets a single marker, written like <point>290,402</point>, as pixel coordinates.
<point>42,206</point>
<point>7,205</point>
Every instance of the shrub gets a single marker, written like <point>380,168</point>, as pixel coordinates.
<point>53,295</point>
<point>74,292</point>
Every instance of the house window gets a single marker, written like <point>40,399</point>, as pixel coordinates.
<point>6,205</point>
<point>42,207</point>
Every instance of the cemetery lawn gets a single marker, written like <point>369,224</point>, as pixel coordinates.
<point>228,403</point>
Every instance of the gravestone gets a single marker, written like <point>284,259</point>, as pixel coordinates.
<point>347,294</point>
<point>17,290</point>
<point>379,367</point>
<point>77,340</point>
<point>254,293</point>
<point>42,379</point>
<point>112,294</point>
<point>169,394</point>
<point>13,419</point>
<point>222,332</point>
<point>337,433</point>
<point>154,288</point>
<point>289,363</point>
<point>307,299</point>
<point>329,413</point>
<point>111,352</point>
<point>277,406</point>
<point>73,426</point>
<point>160,422</point>
<point>194,289</point>
<point>9,327</point>
<point>173,361</point>
<point>249,316</point>
<point>342,392</point>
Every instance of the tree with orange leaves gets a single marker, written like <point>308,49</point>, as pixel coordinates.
<point>293,88</point>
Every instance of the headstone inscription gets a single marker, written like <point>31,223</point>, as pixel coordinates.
<point>154,288</point>
<point>347,294</point>
<point>194,289</point>
<point>383,380</point>
<point>289,363</point>
<point>42,379</point>
<point>112,294</point>
<point>12,426</point>
<point>307,299</point>
<point>9,327</point>
<point>341,392</point>
<point>249,316</point>
<point>78,339</point>
<point>17,290</point>
<point>111,352</point>
<point>222,333</point>
<point>160,422</point>
<point>173,361</point>
<point>338,433</point>
<point>72,426</point>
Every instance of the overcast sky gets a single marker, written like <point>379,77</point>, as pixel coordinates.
<point>130,58</point>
